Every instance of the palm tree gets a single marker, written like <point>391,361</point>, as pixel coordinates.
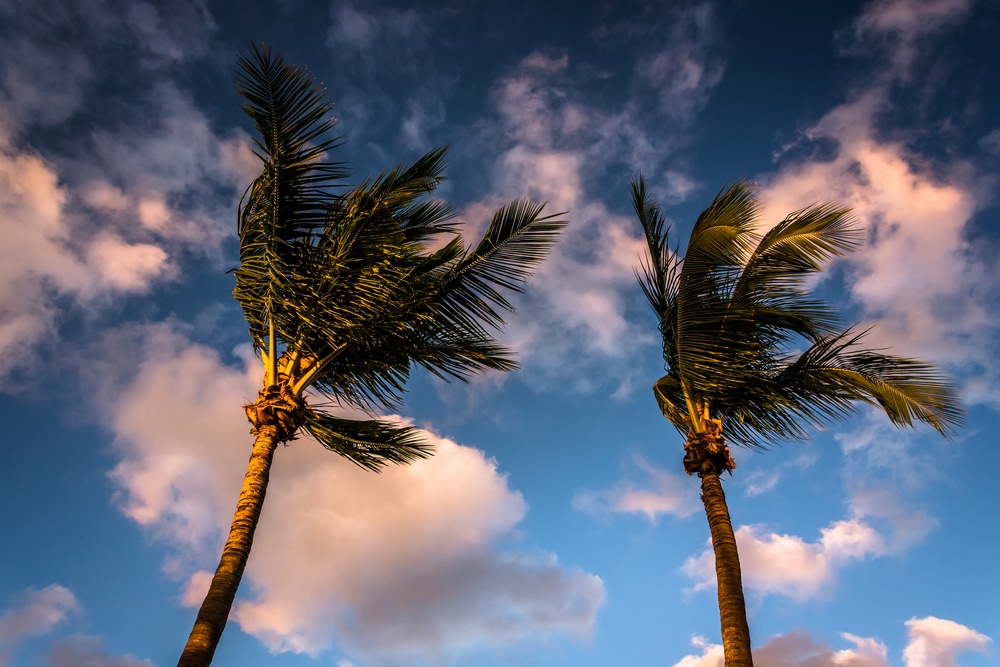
<point>343,292</point>
<point>753,358</point>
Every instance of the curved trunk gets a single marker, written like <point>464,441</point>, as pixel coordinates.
<point>732,608</point>
<point>215,609</point>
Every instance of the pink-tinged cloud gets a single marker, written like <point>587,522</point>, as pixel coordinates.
<point>796,649</point>
<point>85,651</point>
<point>35,613</point>
<point>419,559</point>
<point>575,304</point>
<point>778,564</point>
<point>934,642</point>
<point>140,189</point>
<point>920,277</point>
<point>100,229</point>
<point>40,613</point>
<point>916,277</point>
<point>669,493</point>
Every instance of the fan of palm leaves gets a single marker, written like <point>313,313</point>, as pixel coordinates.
<point>734,309</point>
<point>344,289</point>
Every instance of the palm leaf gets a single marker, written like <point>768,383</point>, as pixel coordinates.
<point>470,290</point>
<point>370,444</point>
<point>660,271</point>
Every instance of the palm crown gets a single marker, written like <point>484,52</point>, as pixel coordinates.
<point>341,290</point>
<point>734,309</point>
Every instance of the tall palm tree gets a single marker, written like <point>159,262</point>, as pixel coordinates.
<point>753,358</point>
<point>344,291</point>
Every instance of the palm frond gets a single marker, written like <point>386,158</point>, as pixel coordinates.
<point>835,371</point>
<point>711,334</point>
<point>370,444</point>
<point>289,200</point>
<point>660,270</point>
<point>739,303</point>
<point>470,290</point>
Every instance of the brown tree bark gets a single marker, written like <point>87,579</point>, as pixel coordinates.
<point>732,607</point>
<point>218,602</point>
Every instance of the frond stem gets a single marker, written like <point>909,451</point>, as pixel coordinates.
<point>317,368</point>
<point>271,364</point>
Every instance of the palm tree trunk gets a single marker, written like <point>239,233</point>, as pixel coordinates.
<point>732,608</point>
<point>218,602</point>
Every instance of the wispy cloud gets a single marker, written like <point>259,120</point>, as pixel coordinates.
<point>669,493</point>
<point>42,614</point>
<point>920,277</point>
<point>36,613</point>
<point>115,210</point>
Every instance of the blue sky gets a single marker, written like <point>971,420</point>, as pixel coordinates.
<point>554,526</point>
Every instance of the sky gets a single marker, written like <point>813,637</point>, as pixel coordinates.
<point>554,526</point>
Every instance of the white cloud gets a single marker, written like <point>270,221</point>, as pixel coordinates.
<point>676,495</point>
<point>934,642</point>
<point>774,563</point>
<point>418,559</point>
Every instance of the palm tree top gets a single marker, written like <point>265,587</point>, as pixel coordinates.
<point>344,289</point>
<point>745,341</point>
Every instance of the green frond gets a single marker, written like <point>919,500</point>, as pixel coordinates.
<point>471,289</point>
<point>735,307</point>
<point>370,444</point>
<point>837,371</point>
<point>358,283</point>
<point>660,270</point>
<point>283,207</point>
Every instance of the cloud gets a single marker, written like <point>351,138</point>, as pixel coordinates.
<point>85,651</point>
<point>797,649</point>
<point>774,563</point>
<point>687,69</point>
<point>115,210</point>
<point>576,301</point>
<point>779,564</point>
<point>34,614</point>
<point>934,642</point>
<point>896,27</point>
<point>671,494</point>
<point>917,277</point>
<point>38,613</point>
<point>759,481</point>
<point>417,560</point>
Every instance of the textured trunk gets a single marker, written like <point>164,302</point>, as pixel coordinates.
<point>732,608</point>
<point>215,609</point>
